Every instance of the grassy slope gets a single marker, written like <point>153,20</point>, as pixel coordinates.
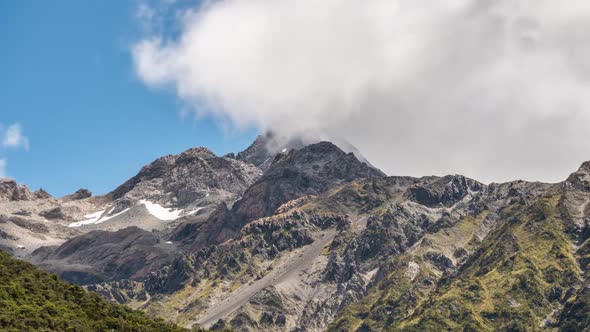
<point>515,281</point>
<point>32,300</point>
<point>507,283</point>
<point>398,294</point>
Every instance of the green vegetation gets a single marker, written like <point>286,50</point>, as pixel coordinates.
<point>32,300</point>
<point>398,294</point>
<point>507,285</point>
<point>364,196</point>
<point>515,280</point>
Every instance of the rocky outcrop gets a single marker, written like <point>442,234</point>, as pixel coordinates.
<point>309,171</point>
<point>260,153</point>
<point>575,203</point>
<point>55,213</point>
<point>78,195</point>
<point>121,291</point>
<point>218,227</point>
<point>195,177</point>
<point>268,146</point>
<point>100,256</point>
<point>444,191</point>
<point>11,191</point>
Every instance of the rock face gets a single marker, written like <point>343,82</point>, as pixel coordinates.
<point>445,191</point>
<point>195,177</point>
<point>266,147</point>
<point>260,153</point>
<point>310,238</point>
<point>78,195</point>
<point>309,171</point>
<point>11,191</point>
<point>100,256</point>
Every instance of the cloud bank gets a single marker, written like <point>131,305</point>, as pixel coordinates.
<point>495,90</point>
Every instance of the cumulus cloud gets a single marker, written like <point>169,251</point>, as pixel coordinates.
<point>14,138</point>
<point>2,168</point>
<point>496,90</point>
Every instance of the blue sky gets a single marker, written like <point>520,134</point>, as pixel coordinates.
<point>67,78</point>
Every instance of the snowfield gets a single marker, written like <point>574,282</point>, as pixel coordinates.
<point>159,211</point>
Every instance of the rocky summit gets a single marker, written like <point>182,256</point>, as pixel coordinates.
<point>303,236</point>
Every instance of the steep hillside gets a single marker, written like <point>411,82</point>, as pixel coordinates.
<point>310,170</point>
<point>31,300</point>
<point>100,256</point>
<point>530,273</point>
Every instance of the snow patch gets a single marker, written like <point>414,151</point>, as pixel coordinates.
<point>154,209</point>
<point>96,218</point>
<point>159,211</point>
<point>91,218</point>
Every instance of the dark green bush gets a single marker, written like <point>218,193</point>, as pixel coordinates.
<point>31,300</point>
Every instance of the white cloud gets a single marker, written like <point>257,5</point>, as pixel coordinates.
<point>14,138</point>
<point>145,11</point>
<point>2,168</point>
<point>492,89</point>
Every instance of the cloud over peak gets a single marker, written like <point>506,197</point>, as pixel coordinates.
<point>496,90</point>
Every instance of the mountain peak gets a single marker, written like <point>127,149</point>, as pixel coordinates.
<point>196,176</point>
<point>78,195</point>
<point>581,178</point>
<point>325,157</point>
<point>310,170</point>
<point>585,167</point>
<point>265,148</point>
<point>11,191</point>
<point>201,152</point>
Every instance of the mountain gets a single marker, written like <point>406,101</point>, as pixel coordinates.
<point>299,268</point>
<point>192,179</point>
<point>292,235</point>
<point>31,300</point>
<point>310,170</point>
<point>266,147</point>
<point>168,189</point>
<point>529,273</point>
